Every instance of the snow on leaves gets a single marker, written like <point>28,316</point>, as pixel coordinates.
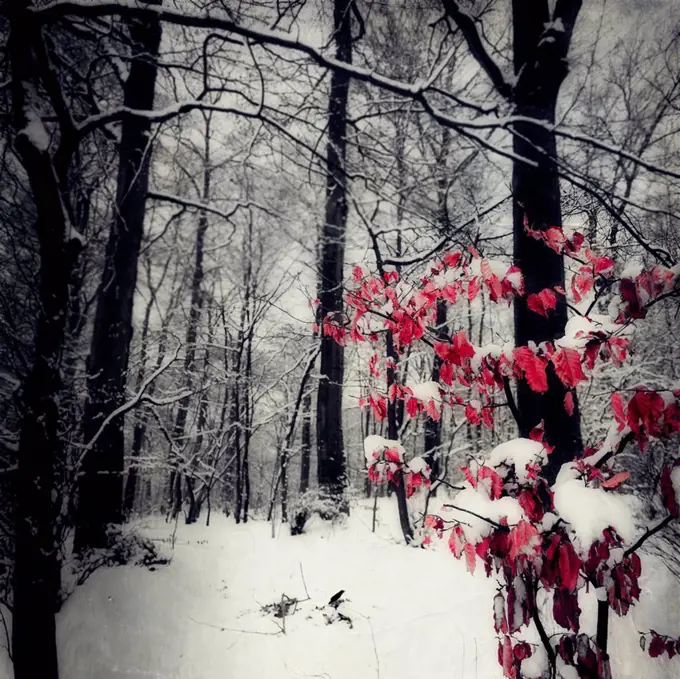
<point>531,535</point>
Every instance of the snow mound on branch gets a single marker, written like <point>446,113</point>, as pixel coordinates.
<point>418,465</point>
<point>493,350</point>
<point>518,452</point>
<point>426,391</point>
<point>589,511</point>
<point>477,500</point>
<point>375,444</point>
<point>581,329</point>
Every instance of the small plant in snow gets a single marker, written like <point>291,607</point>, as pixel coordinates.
<point>547,534</point>
<point>312,503</point>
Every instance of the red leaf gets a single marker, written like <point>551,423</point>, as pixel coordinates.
<point>378,405</point>
<point>569,565</point>
<point>523,540</point>
<point>581,283</point>
<point>566,610</point>
<point>470,557</point>
<point>555,239</point>
<point>496,485</point>
<point>533,368</point>
<point>567,364</point>
<point>522,651</point>
<point>629,294</point>
<point>506,658</point>
<point>457,541</point>
<point>619,410</point>
<point>473,288</point>
<point>569,402</point>
<point>645,409</point>
<point>472,415</point>
<point>468,475</point>
<point>601,265</point>
<point>491,280</point>
<point>446,373</point>
<point>452,259</point>
<point>464,349</point>
<point>615,481</point>
<point>543,302</point>
<point>657,646</point>
<point>531,505</point>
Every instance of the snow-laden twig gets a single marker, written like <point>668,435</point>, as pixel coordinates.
<point>139,397</point>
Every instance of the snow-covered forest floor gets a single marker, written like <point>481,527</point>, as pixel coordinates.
<point>414,612</point>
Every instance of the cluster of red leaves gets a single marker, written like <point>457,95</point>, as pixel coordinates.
<point>387,465</point>
<point>659,644</point>
<point>581,652</point>
<point>648,414</point>
<point>638,292</point>
<point>524,556</point>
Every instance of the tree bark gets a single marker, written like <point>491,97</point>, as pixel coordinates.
<point>36,567</point>
<point>100,497</point>
<point>195,310</point>
<point>329,435</point>
<point>306,443</point>
<point>540,66</point>
<point>393,434</point>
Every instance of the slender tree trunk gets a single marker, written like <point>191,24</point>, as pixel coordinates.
<point>393,434</point>
<point>541,67</point>
<point>329,435</point>
<point>138,434</point>
<point>306,443</point>
<point>100,497</point>
<point>195,311</point>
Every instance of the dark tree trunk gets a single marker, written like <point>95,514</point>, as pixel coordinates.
<point>140,428</point>
<point>100,496</point>
<point>541,67</point>
<point>195,310</point>
<point>329,435</point>
<point>36,567</point>
<point>393,434</point>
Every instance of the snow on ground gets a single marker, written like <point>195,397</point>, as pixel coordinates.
<point>415,612</point>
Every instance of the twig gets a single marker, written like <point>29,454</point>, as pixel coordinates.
<point>304,584</point>
<point>652,531</point>
<point>479,516</point>
<point>230,629</point>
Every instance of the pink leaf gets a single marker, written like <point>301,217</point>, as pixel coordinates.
<point>567,364</point>
<point>543,302</point>
<point>470,557</point>
<point>569,402</point>
<point>533,368</point>
<point>615,481</point>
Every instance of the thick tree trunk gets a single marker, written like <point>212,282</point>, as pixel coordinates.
<point>100,496</point>
<point>36,567</point>
<point>329,435</point>
<point>541,67</point>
